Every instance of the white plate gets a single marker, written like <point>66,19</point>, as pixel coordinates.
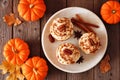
<point>89,60</point>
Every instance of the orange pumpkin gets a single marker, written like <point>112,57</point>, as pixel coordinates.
<point>16,51</point>
<point>35,68</point>
<point>110,12</point>
<point>31,10</point>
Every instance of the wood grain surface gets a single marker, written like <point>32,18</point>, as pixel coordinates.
<point>31,33</point>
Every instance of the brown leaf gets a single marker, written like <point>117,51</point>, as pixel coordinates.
<point>11,20</point>
<point>105,65</point>
<point>107,58</point>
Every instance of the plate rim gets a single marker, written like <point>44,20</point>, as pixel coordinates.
<point>64,70</point>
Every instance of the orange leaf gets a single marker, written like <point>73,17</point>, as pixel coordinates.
<point>11,20</point>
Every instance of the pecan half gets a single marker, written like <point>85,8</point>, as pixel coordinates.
<point>51,39</point>
<point>92,42</point>
<point>67,51</point>
<point>61,28</point>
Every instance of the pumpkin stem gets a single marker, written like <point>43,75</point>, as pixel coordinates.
<point>31,6</point>
<point>35,71</point>
<point>14,50</point>
<point>113,11</point>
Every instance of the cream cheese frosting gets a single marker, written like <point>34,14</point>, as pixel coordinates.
<point>61,28</point>
<point>67,53</point>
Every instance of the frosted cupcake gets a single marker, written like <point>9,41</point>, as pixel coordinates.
<point>67,53</point>
<point>61,28</point>
<point>89,43</point>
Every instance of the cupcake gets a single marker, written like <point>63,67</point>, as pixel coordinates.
<point>89,43</point>
<point>67,53</point>
<point>61,28</point>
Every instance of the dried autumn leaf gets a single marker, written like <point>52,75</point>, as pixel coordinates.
<point>107,58</point>
<point>11,77</point>
<point>11,20</point>
<point>16,75</point>
<point>17,22</point>
<point>14,71</point>
<point>7,67</point>
<point>19,74</point>
<point>105,65</point>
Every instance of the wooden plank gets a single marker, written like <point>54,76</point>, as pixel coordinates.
<point>28,31</point>
<point>119,48</point>
<point>113,48</point>
<point>52,7</point>
<point>31,33</point>
<point>81,3</point>
<point>81,76</point>
<point>5,31</point>
<point>89,5</point>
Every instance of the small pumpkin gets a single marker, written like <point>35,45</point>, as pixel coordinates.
<point>16,51</point>
<point>35,68</point>
<point>110,12</point>
<point>31,10</point>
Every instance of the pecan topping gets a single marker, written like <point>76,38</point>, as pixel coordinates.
<point>51,39</point>
<point>92,42</point>
<point>61,28</point>
<point>67,51</point>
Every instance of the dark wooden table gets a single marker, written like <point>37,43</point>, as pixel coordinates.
<point>31,33</point>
